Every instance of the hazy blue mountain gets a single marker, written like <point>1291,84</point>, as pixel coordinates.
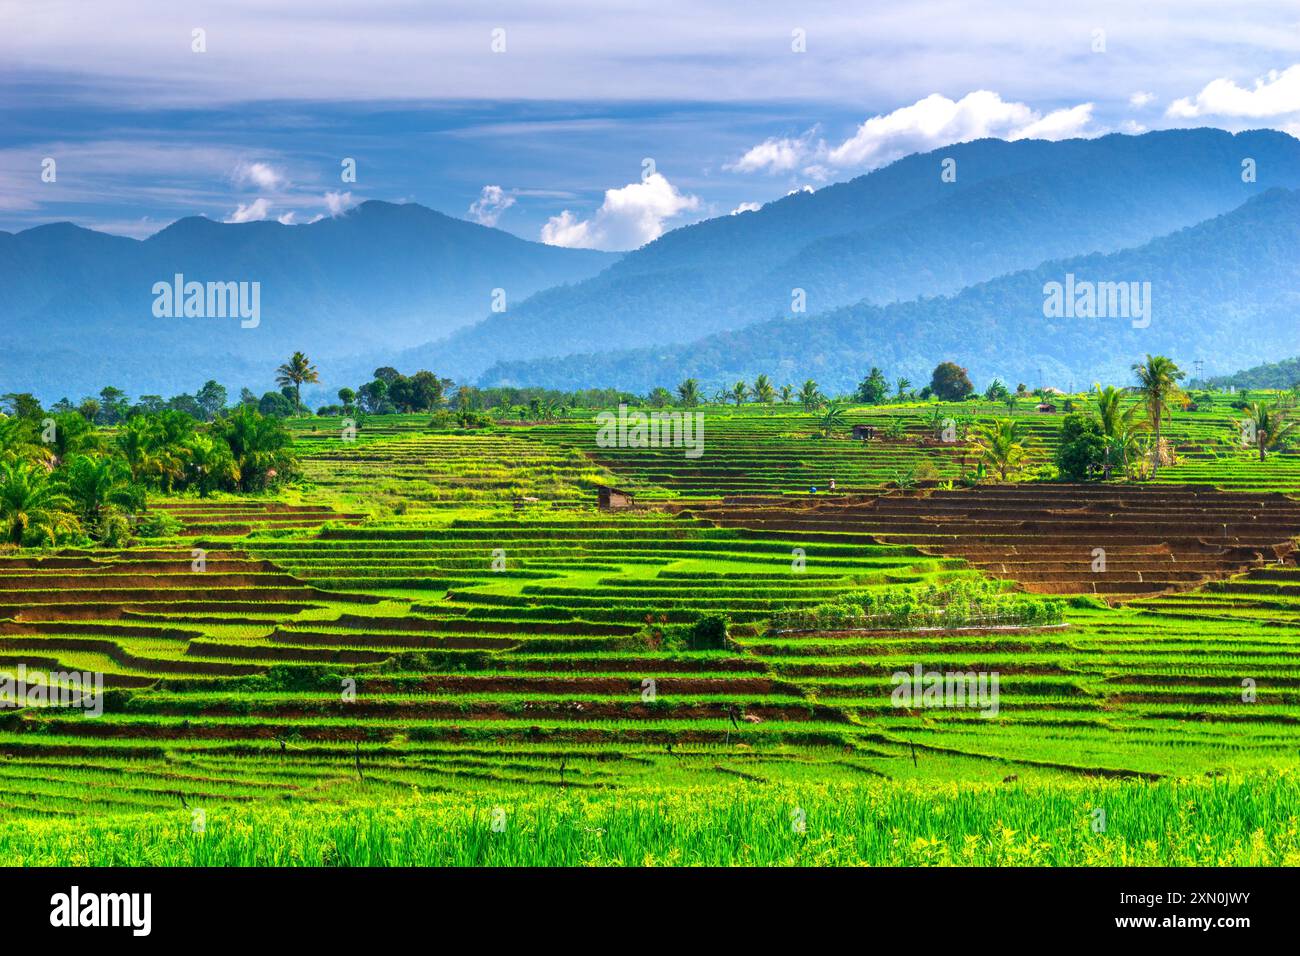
<point>893,235</point>
<point>76,306</point>
<point>1226,291</point>
<point>1284,374</point>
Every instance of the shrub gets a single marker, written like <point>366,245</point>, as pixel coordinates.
<point>158,524</point>
<point>1082,448</point>
<point>709,633</point>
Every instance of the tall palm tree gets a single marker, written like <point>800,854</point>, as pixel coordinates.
<point>297,371</point>
<point>904,386</point>
<point>1158,379</point>
<point>763,391</point>
<point>786,392</point>
<point>1268,427</point>
<point>689,393</point>
<point>810,396</point>
<point>1118,426</point>
<point>1000,446</point>
<point>739,391</point>
<point>31,505</point>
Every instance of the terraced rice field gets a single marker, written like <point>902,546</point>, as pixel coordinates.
<point>447,614</point>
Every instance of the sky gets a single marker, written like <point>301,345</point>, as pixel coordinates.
<point>584,123</point>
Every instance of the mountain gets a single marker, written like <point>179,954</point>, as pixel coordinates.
<point>1226,291</point>
<point>77,305</point>
<point>895,234</point>
<point>1284,374</point>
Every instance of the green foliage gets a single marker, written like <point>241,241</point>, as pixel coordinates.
<point>950,383</point>
<point>709,633</point>
<point>874,388</point>
<point>1081,450</point>
<point>964,603</point>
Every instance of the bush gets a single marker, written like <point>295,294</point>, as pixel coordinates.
<point>1082,449</point>
<point>709,633</point>
<point>158,524</point>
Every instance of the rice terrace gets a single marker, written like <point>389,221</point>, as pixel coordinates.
<point>433,619</point>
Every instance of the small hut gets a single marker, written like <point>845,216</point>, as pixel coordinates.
<point>863,432</point>
<point>609,498</point>
<point>1046,408</point>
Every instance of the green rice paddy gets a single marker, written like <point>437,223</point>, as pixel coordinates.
<point>437,625</point>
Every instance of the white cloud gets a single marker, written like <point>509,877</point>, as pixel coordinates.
<point>774,155</point>
<point>287,219</point>
<point>805,188</point>
<point>264,176</point>
<point>1141,99</point>
<point>491,203</point>
<point>337,202</point>
<point>927,124</point>
<point>1059,124</point>
<point>254,211</point>
<point>628,218</point>
<point>937,121</point>
<point>747,207</point>
<point>1274,94</point>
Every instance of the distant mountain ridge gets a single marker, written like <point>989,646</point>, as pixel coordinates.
<point>1226,291</point>
<point>895,234</point>
<point>376,278</point>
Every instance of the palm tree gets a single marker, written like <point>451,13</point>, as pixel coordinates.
<point>1118,426</point>
<point>210,464</point>
<point>1158,379</point>
<point>295,372</point>
<point>739,391</point>
<point>786,392</point>
<point>1010,401</point>
<point>1000,447</point>
<point>31,505</point>
<point>93,485</point>
<point>20,441</point>
<point>258,444</point>
<point>832,418</point>
<point>904,386</point>
<point>1267,426</point>
<point>689,393</point>
<point>763,391</point>
<point>810,396</point>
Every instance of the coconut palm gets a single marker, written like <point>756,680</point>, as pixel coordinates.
<point>32,506</point>
<point>1118,426</point>
<point>297,371</point>
<point>904,386</point>
<point>1267,427</point>
<point>1158,379</point>
<point>787,391</point>
<point>763,391</point>
<point>810,396</point>
<point>739,391</point>
<point>689,393</point>
<point>1000,446</point>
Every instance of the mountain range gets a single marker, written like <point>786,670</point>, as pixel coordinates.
<point>1226,291</point>
<point>78,305</point>
<point>899,268</point>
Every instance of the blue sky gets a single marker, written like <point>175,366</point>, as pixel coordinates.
<point>735,103</point>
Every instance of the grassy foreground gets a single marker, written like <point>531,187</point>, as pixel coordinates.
<point>1228,821</point>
